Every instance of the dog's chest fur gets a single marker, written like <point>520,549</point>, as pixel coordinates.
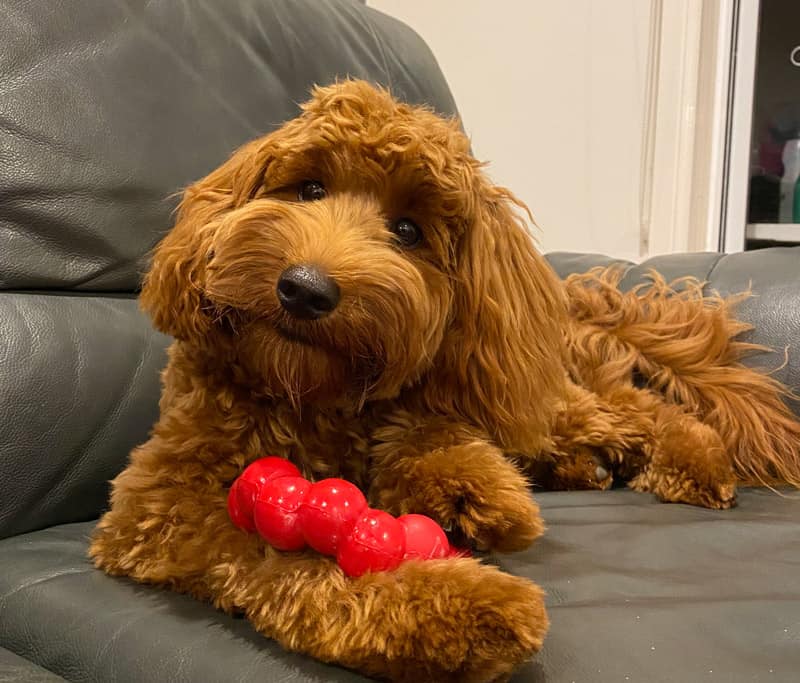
<point>240,426</point>
<point>322,443</point>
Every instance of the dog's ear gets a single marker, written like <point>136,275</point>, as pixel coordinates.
<point>172,291</point>
<point>500,365</point>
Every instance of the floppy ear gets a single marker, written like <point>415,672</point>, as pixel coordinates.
<point>172,291</point>
<point>500,365</point>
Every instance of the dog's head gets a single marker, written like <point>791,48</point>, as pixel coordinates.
<point>359,252</point>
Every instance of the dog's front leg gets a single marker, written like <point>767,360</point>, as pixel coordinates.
<point>439,620</point>
<point>454,474</point>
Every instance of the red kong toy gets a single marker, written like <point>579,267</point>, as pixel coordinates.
<point>425,539</point>
<point>242,496</point>
<point>276,511</point>
<point>332,517</point>
<point>329,512</point>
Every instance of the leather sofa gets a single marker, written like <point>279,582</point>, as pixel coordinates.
<point>106,111</point>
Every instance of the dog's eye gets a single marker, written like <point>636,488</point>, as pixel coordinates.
<point>407,233</point>
<point>311,191</point>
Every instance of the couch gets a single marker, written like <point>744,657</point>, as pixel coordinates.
<point>107,109</point>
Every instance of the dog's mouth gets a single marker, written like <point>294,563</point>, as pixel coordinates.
<point>293,335</point>
<point>364,369</point>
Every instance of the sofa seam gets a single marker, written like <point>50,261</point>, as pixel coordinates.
<point>381,50</point>
<point>710,273</point>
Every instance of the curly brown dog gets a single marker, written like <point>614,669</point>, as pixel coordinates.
<point>353,293</point>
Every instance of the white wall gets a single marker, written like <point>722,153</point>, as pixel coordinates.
<point>553,94</point>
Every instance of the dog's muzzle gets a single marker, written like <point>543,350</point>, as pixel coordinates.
<point>307,293</point>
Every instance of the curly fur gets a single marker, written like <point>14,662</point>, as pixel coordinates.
<point>681,343</point>
<point>448,377</point>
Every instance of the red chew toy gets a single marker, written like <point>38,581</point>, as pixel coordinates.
<point>242,496</point>
<point>332,517</point>
<point>275,513</point>
<point>376,543</point>
<point>239,516</point>
<point>425,539</point>
<point>328,513</point>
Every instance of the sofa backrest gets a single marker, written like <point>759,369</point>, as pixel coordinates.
<point>107,110</point>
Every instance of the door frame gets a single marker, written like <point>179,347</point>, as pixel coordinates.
<point>696,146</point>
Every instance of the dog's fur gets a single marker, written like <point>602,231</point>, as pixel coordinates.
<point>449,377</point>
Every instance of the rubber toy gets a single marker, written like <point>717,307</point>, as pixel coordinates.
<point>276,511</point>
<point>332,517</point>
<point>376,543</point>
<point>329,512</point>
<point>425,539</point>
<point>242,496</point>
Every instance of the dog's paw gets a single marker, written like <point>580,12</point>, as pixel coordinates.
<point>480,498</point>
<point>674,486</point>
<point>580,469</point>
<point>473,520</point>
<point>457,620</point>
<point>689,464</point>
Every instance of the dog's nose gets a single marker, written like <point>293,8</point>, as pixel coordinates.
<point>307,293</point>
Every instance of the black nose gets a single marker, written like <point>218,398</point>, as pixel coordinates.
<point>307,293</point>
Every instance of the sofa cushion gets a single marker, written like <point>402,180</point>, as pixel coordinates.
<point>109,108</point>
<point>637,591</point>
<point>78,390</point>
<point>62,613</point>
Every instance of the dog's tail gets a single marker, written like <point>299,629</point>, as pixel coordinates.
<point>684,343</point>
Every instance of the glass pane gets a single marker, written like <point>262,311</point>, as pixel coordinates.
<point>774,202</point>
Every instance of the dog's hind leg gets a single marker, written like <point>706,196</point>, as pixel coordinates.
<point>686,463</point>
<point>635,434</point>
<point>682,342</point>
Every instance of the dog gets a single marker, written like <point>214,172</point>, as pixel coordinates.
<point>353,293</point>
